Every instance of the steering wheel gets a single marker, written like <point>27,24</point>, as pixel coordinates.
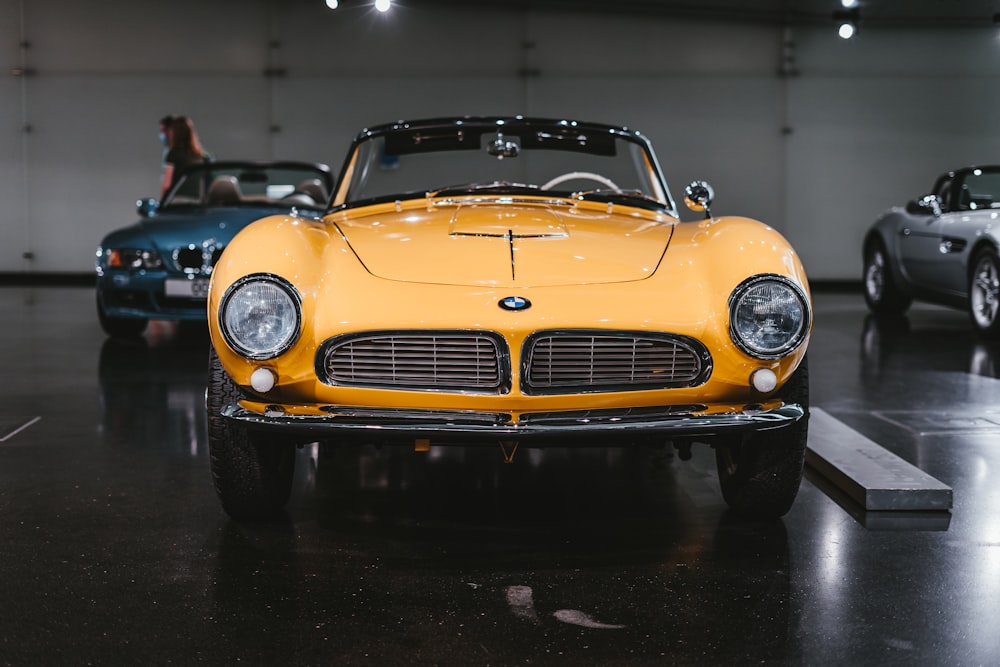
<point>587,175</point>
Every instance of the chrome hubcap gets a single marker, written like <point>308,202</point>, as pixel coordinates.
<point>984,293</point>
<point>875,276</point>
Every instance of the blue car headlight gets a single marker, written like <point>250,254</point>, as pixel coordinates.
<point>260,316</point>
<point>768,316</point>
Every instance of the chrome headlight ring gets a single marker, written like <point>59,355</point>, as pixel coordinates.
<point>260,316</point>
<point>768,316</point>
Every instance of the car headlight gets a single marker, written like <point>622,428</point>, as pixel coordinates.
<point>133,258</point>
<point>768,316</point>
<point>260,316</point>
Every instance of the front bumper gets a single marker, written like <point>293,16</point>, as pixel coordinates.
<point>143,295</point>
<point>590,427</point>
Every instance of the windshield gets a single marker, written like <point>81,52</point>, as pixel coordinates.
<point>527,159</point>
<point>247,184</point>
<point>979,189</point>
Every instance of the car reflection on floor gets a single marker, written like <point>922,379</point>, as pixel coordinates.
<point>895,340</point>
<point>153,388</point>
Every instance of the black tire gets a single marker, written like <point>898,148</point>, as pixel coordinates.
<point>760,474</point>
<point>882,294</point>
<point>253,477</point>
<point>984,293</point>
<point>120,327</point>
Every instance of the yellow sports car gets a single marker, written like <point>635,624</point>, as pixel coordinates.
<point>508,281</point>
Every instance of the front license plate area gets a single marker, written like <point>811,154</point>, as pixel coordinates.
<point>188,289</point>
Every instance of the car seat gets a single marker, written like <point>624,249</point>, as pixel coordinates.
<point>224,191</point>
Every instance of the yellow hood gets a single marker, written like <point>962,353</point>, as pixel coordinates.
<point>499,243</point>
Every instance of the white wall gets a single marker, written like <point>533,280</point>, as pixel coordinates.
<point>864,124</point>
<point>874,122</point>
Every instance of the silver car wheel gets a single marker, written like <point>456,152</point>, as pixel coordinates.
<point>883,293</point>
<point>875,276</point>
<point>984,292</point>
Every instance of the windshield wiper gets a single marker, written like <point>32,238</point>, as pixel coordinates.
<point>504,187</point>
<point>626,197</point>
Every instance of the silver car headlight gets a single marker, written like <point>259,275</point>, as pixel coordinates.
<point>768,316</point>
<point>260,316</point>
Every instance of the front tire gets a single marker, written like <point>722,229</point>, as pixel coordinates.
<point>882,294</point>
<point>760,475</point>
<point>253,477</point>
<point>984,293</point>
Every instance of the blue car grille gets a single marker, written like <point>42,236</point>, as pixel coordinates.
<point>197,259</point>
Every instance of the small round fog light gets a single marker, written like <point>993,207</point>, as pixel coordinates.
<point>763,380</point>
<point>262,380</point>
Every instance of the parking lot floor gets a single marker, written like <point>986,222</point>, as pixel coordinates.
<point>115,549</point>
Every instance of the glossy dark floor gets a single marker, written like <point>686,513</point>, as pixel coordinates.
<point>115,551</point>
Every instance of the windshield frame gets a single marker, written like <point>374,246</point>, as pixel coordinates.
<point>469,134</point>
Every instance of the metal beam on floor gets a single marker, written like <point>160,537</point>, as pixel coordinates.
<point>868,473</point>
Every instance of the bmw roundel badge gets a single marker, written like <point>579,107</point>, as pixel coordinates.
<point>515,303</point>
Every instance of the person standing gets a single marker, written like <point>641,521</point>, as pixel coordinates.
<point>184,149</point>
<point>166,125</point>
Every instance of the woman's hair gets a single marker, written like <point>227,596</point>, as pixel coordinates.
<point>184,137</point>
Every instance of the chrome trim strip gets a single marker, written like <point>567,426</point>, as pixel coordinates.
<point>608,415</point>
<point>388,425</point>
<point>379,415</point>
<point>458,200</point>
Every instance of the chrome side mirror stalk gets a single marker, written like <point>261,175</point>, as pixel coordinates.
<point>698,196</point>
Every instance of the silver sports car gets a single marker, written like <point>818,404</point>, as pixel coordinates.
<point>941,248</point>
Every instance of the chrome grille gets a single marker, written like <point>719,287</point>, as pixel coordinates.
<point>422,361</point>
<point>575,361</point>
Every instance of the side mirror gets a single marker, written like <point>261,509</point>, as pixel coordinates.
<point>926,205</point>
<point>148,207</point>
<point>698,196</point>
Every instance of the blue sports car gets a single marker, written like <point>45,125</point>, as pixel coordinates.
<point>159,267</point>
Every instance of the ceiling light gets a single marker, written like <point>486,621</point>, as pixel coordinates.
<point>383,5</point>
<point>848,20</point>
<point>332,4</point>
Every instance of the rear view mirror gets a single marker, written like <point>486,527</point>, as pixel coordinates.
<point>926,205</point>
<point>148,207</point>
<point>698,196</point>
